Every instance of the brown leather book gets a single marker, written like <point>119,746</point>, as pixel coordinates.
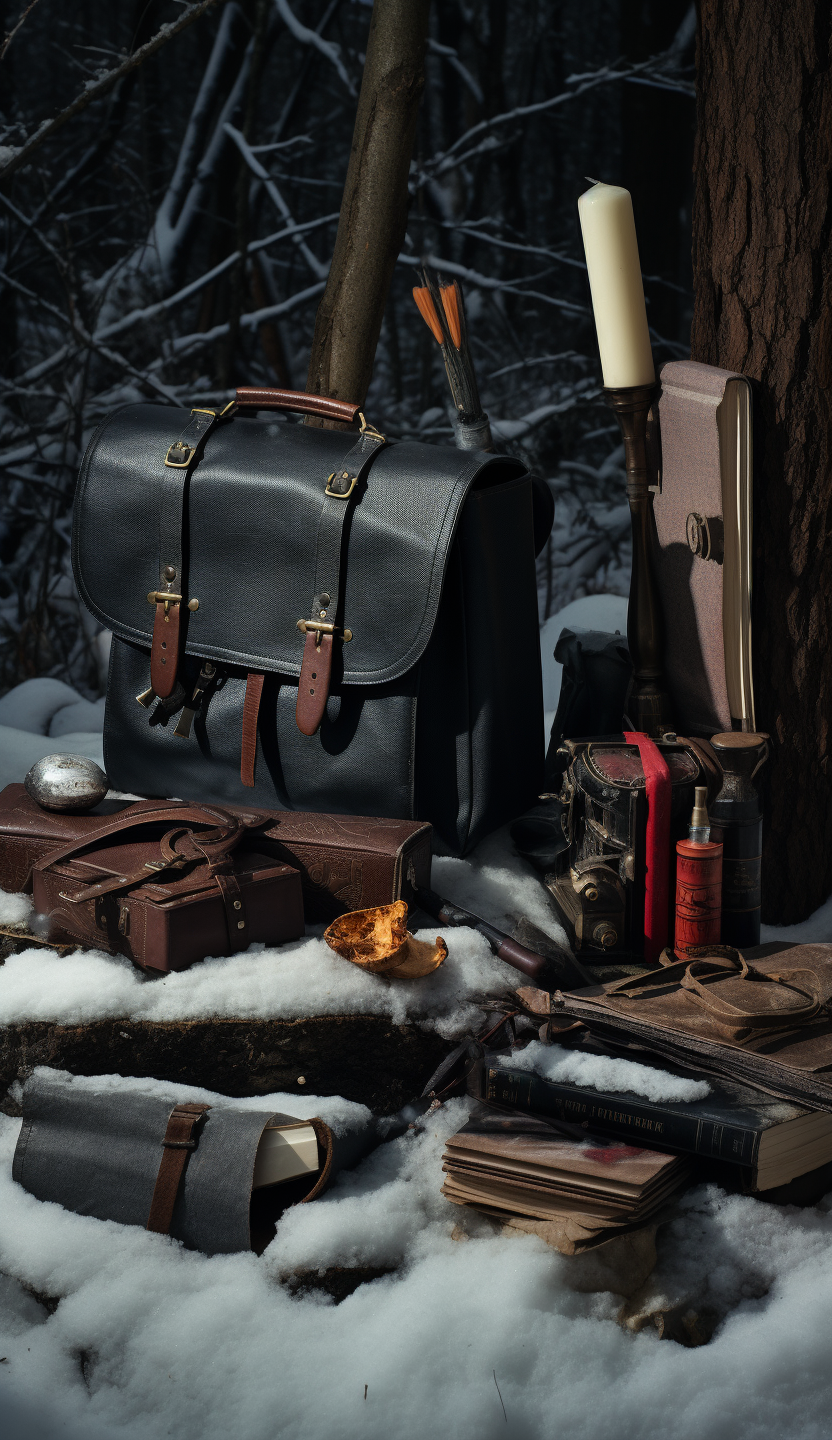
<point>346,862</point>
<point>760,1018</point>
<point>703,510</point>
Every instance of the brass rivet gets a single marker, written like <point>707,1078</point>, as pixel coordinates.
<point>301,1079</point>
<point>238,904</point>
<point>322,614</point>
<point>193,604</point>
<point>241,924</point>
<point>591,893</point>
<point>345,474</point>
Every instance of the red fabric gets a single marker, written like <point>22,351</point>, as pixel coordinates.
<point>656,887</point>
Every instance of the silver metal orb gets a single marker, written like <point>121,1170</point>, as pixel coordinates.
<point>66,782</point>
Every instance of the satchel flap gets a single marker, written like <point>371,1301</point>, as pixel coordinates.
<point>253,506</point>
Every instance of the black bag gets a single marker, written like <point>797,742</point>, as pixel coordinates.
<point>409,686</point>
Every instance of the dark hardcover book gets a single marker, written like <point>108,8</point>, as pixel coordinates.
<point>775,1139</point>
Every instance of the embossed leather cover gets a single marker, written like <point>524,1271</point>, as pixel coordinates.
<point>435,705</point>
<point>346,862</point>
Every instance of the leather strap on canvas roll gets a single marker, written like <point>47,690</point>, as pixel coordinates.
<point>180,1139</point>
<point>657,845</point>
<point>340,495</point>
<point>251,711</point>
<point>179,461</point>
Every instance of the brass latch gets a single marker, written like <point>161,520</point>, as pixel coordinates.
<point>322,627</point>
<point>165,597</point>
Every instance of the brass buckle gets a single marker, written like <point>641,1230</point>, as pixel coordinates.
<point>340,494</point>
<point>370,430</point>
<point>166,597</point>
<point>185,453</point>
<point>322,627</point>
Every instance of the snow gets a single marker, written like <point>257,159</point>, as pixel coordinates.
<point>607,1073</point>
<point>150,1340</point>
<point>286,982</point>
<point>36,714</point>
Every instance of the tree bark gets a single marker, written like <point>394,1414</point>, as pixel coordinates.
<point>762,258</point>
<point>374,204</point>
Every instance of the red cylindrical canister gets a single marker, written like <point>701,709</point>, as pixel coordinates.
<point>698,895</point>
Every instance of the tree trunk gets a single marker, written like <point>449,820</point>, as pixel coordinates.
<point>374,204</point>
<point>762,261</point>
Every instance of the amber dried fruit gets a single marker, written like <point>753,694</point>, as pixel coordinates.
<point>378,940</point>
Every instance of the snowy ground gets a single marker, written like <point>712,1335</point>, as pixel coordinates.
<point>110,1333</point>
<point>149,1340</point>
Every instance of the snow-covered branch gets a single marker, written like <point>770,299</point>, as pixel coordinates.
<point>14,157</point>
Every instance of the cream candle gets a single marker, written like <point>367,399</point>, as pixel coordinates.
<point>609,233</point>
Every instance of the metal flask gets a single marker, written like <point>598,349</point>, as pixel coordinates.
<point>737,811</point>
<point>66,782</point>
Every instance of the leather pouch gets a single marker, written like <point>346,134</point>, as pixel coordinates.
<point>166,887</point>
<point>185,1170</point>
<point>346,862</point>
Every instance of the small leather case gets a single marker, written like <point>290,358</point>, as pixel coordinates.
<point>346,862</point>
<point>166,887</point>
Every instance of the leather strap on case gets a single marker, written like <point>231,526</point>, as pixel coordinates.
<point>235,907</point>
<point>179,462</point>
<point>340,495</point>
<point>657,844</point>
<point>180,1139</point>
<point>251,710</point>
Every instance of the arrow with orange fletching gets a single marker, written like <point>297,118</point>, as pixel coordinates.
<point>442,308</point>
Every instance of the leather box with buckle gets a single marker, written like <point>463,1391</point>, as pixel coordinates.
<point>167,887</point>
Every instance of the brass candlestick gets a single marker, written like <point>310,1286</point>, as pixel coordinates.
<point>648,706</point>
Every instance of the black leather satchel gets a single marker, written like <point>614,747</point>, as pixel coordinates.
<point>314,619</point>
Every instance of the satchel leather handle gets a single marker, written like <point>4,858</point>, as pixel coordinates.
<point>249,396</point>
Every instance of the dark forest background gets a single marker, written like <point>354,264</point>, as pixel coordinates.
<point>172,239</point>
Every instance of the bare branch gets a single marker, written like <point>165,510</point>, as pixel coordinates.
<point>9,38</point>
<point>315,265</point>
<point>13,158</point>
<point>328,48</point>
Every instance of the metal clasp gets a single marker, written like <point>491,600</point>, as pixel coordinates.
<point>341,494</point>
<point>322,627</point>
<point>179,455</point>
<point>158,597</point>
<point>370,430</point>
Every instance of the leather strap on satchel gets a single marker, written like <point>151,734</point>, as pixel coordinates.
<point>181,1138</point>
<point>340,495</point>
<point>251,710</point>
<point>180,459</point>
